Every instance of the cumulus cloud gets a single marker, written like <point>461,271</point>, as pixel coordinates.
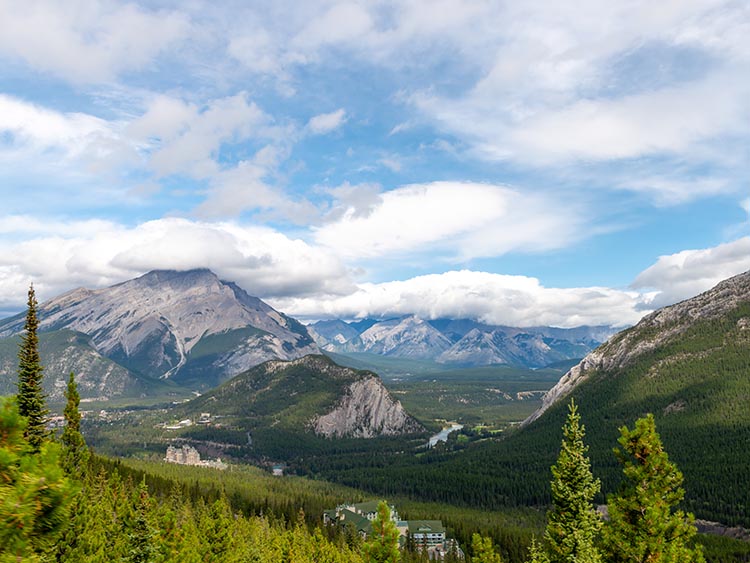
<point>263,261</point>
<point>87,42</point>
<point>460,220</point>
<point>326,122</point>
<point>490,298</point>
<point>682,275</point>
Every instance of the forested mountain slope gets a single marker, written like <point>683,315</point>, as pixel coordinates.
<point>688,364</point>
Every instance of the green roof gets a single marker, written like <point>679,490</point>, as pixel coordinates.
<point>426,527</point>
<point>362,524</point>
<point>367,507</point>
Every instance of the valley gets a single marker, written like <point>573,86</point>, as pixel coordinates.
<point>361,421</point>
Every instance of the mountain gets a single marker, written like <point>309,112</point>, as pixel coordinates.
<point>407,337</point>
<point>657,331</point>
<point>310,394</point>
<point>189,327</point>
<point>332,333</point>
<point>688,364</point>
<point>458,341</point>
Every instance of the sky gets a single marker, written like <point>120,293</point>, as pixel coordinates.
<point>519,163</point>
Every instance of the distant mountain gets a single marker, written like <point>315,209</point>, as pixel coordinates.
<point>310,394</point>
<point>189,327</point>
<point>459,341</point>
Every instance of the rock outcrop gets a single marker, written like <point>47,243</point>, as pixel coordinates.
<point>366,410</point>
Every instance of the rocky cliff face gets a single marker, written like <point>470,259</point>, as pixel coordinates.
<point>366,410</point>
<point>653,331</point>
<point>165,322</point>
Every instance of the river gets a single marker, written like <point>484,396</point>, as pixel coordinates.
<point>442,436</point>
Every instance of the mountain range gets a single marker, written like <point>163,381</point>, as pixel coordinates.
<point>461,342</point>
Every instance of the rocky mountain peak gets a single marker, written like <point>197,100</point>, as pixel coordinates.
<point>154,323</point>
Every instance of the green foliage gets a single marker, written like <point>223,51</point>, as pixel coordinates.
<point>31,403</point>
<point>382,545</point>
<point>75,453</point>
<point>142,535</point>
<point>118,521</point>
<point>573,523</point>
<point>483,551</point>
<point>643,525</point>
<point>34,494</point>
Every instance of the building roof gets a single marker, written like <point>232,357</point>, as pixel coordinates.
<point>426,527</point>
<point>367,507</point>
<point>362,524</point>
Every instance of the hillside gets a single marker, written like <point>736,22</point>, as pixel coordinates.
<point>189,327</point>
<point>98,377</point>
<point>688,364</point>
<point>311,394</point>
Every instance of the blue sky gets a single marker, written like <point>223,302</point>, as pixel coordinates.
<point>520,163</point>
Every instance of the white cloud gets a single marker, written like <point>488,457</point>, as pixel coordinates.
<point>461,220</point>
<point>326,122</point>
<point>490,298</point>
<point>186,140</point>
<point>41,128</point>
<point>263,261</point>
<point>682,275</point>
<point>87,41</point>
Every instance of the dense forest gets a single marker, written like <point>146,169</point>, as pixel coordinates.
<point>696,386</point>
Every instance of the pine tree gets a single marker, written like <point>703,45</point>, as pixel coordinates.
<point>483,551</point>
<point>382,547</point>
<point>573,523</point>
<point>642,525</point>
<point>75,454</point>
<point>34,494</point>
<point>31,403</point>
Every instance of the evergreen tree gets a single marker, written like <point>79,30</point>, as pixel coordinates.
<point>142,535</point>
<point>573,523</point>
<point>643,526</point>
<point>31,403</point>
<point>75,454</point>
<point>483,551</point>
<point>34,494</point>
<point>382,546</point>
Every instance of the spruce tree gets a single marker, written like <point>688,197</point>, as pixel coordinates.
<point>382,546</point>
<point>31,403</point>
<point>643,525</point>
<point>572,523</point>
<point>75,453</point>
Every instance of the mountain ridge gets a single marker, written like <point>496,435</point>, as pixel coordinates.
<point>458,341</point>
<point>651,332</point>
